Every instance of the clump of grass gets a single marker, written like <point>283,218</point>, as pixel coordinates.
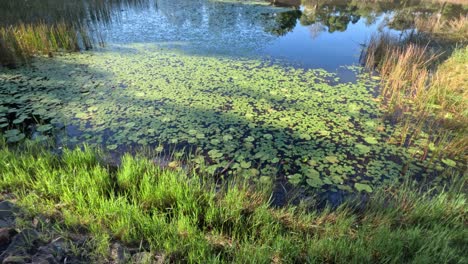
<point>20,42</point>
<point>185,217</point>
<point>453,29</point>
<point>422,93</point>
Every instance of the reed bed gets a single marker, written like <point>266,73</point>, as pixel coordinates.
<point>20,42</point>
<point>29,28</point>
<point>425,95</point>
<point>444,29</point>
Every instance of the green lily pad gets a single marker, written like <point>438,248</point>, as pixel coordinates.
<point>362,187</point>
<point>12,132</point>
<point>265,179</point>
<point>371,140</point>
<point>449,162</point>
<point>311,173</point>
<point>159,149</point>
<point>215,141</point>
<point>44,128</point>
<point>41,138</point>
<point>295,179</point>
<point>82,115</point>
<point>215,154</point>
<point>227,137</point>
<point>112,147</point>
<point>245,164</point>
<point>332,159</point>
<point>15,138</point>
<point>314,182</point>
<point>363,149</point>
<point>250,139</point>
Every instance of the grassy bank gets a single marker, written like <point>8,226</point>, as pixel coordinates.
<point>185,217</point>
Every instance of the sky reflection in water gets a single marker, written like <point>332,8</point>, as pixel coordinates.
<point>244,30</point>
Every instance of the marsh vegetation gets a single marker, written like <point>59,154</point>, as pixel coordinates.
<point>239,131</point>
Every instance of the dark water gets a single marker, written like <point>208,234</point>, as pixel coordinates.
<point>308,33</point>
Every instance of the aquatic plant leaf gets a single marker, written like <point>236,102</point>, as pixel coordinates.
<point>314,182</point>
<point>332,159</point>
<point>295,179</point>
<point>112,147</point>
<point>159,149</point>
<point>215,154</point>
<point>449,162</point>
<point>371,140</point>
<point>245,164</point>
<point>363,149</point>
<point>15,138</point>
<point>362,187</point>
<point>12,132</point>
<point>44,128</point>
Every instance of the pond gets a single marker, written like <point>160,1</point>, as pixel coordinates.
<point>250,88</point>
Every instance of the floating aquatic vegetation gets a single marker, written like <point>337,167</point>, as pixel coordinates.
<point>244,116</point>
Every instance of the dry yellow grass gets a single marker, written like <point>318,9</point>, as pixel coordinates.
<point>424,100</point>
<point>454,29</point>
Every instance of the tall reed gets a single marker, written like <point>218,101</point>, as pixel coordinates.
<point>423,95</point>
<point>22,41</point>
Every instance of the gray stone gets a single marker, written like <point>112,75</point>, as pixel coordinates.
<point>6,223</point>
<point>53,252</point>
<point>21,244</point>
<point>6,210</point>
<point>6,234</point>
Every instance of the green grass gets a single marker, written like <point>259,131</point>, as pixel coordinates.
<point>185,217</point>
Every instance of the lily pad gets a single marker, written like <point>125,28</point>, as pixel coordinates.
<point>12,132</point>
<point>363,149</point>
<point>245,164</point>
<point>112,147</point>
<point>15,138</point>
<point>371,140</point>
<point>332,159</point>
<point>314,182</point>
<point>44,128</point>
<point>449,162</point>
<point>362,187</point>
<point>215,154</point>
<point>295,179</point>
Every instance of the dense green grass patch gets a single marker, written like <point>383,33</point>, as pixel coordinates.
<point>189,218</point>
